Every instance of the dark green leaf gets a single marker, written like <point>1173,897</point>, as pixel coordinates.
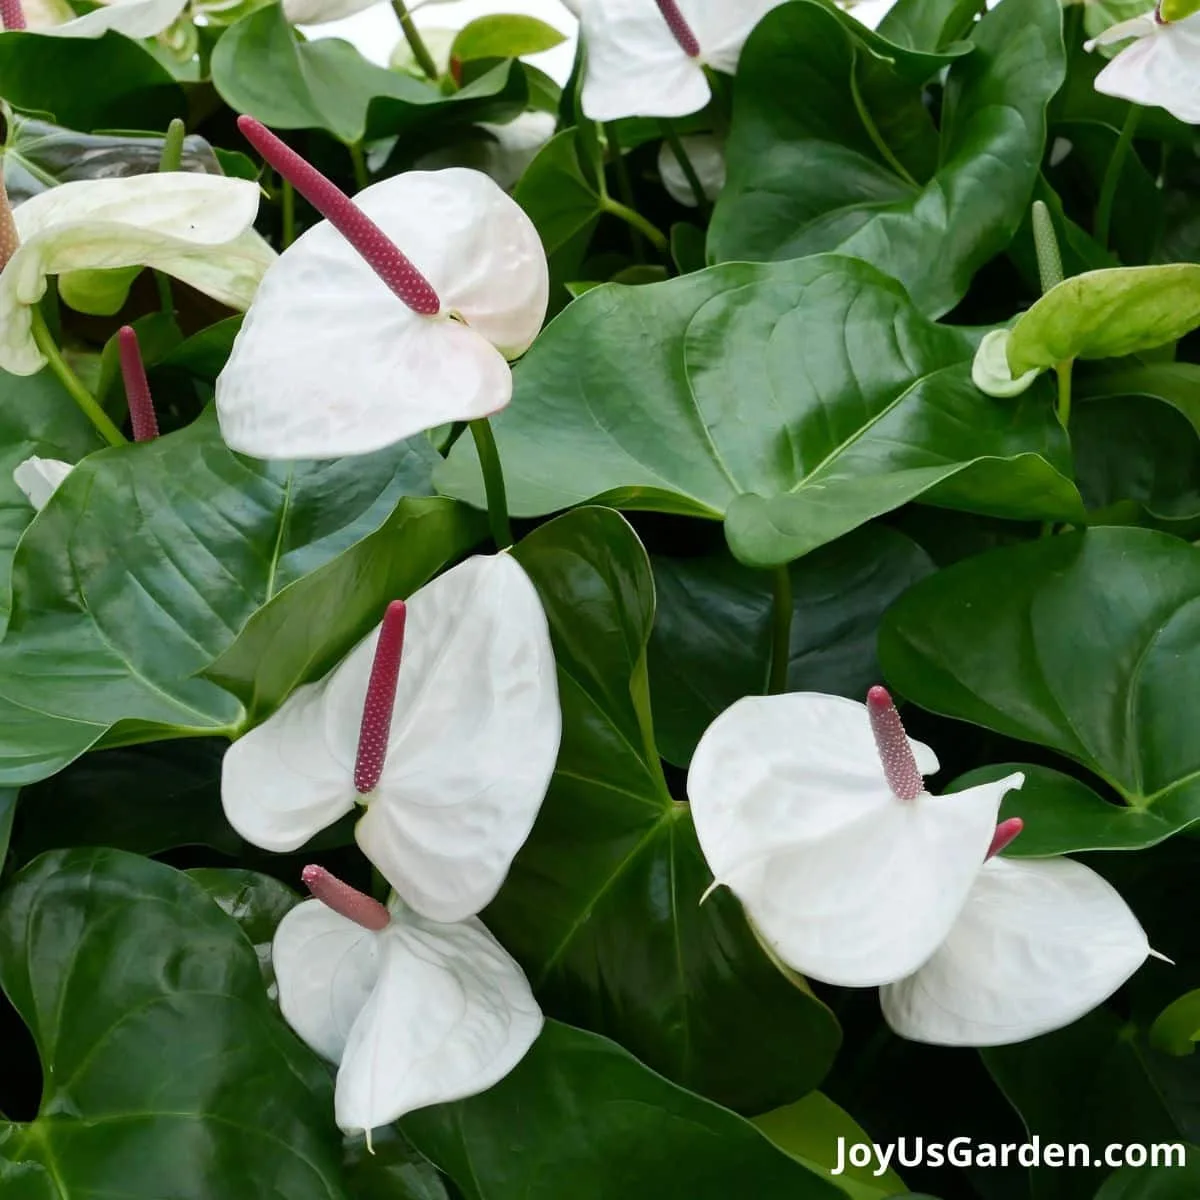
<point>391,1170</point>
<point>1176,1030</point>
<point>595,1124</point>
<point>711,643</point>
<point>163,1059</point>
<point>602,906</point>
<point>819,167</point>
<point>928,25</point>
<point>796,400</point>
<point>1086,643</point>
<point>1155,1183</point>
<point>556,195</point>
<point>110,82</point>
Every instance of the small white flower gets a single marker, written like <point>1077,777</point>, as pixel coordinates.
<point>198,228</point>
<point>990,371</point>
<point>811,809</point>
<point>343,354</point>
<point>39,478</point>
<point>707,156</point>
<point>1162,67</point>
<point>133,18</point>
<point>1039,943</point>
<point>414,1012</point>
<point>452,765</point>
<point>646,58</point>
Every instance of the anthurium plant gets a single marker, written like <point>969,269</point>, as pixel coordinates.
<point>631,634</point>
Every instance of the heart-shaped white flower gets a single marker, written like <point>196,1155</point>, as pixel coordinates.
<point>38,478</point>
<point>1162,67</point>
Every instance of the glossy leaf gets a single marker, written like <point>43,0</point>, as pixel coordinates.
<point>163,1058</point>
<point>1176,1030</point>
<point>143,569</point>
<point>110,82</point>
<point>602,906</point>
<point>829,167</point>
<point>503,35</point>
<point>596,1123</point>
<point>1107,314</point>
<point>928,25</point>
<point>262,67</point>
<point>554,192</point>
<point>795,400</point>
<point>1085,643</point>
<point>391,1170</point>
<point>711,643</point>
<point>1173,383</point>
<point>1154,1183</point>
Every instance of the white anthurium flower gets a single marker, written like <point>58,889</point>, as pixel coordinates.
<point>1162,67</point>
<point>812,810</point>
<point>707,156</point>
<point>646,58</point>
<point>451,755</point>
<point>133,18</point>
<point>397,314</point>
<point>413,1011</point>
<point>198,228</point>
<point>1039,943</point>
<point>38,478</point>
<point>990,371</point>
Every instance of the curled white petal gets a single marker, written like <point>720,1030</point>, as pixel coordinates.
<point>842,881</point>
<point>38,478</point>
<point>192,226</point>
<point>330,363</point>
<point>1039,943</point>
<point>1161,68</point>
<point>133,18</point>
<point>450,1015</point>
<point>990,371</point>
<point>707,157</point>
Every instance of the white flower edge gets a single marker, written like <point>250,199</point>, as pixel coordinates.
<point>1161,68</point>
<point>39,478</point>
<point>330,363</point>
<point>419,1013</point>
<point>990,371</point>
<point>195,227</point>
<point>133,18</point>
<point>842,881</point>
<point>1039,943</point>
<point>473,743</point>
<point>707,157</point>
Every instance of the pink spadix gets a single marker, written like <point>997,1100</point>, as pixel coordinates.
<point>1006,833</point>
<point>348,902</point>
<point>137,387</point>
<point>381,699</point>
<point>8,227</point>
<point>380,253</point>
<point>899,766</point>
<point>678,25</point>
<point>12,14</point>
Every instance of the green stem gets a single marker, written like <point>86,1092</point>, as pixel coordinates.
<point>416,43</point>
<point>624,186</point>
<point>681,157</point>
<point>1063,371</point>
<point>72,382</point>
<point>288,196</point>
<point>872,129</point>
<point>361,178</point>
<point>1112,175</point>
<point>781,629</point>
<point>493,482</point>
<point>630,216</point>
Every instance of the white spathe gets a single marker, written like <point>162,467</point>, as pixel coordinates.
<point>198,228</point>
<point>636,68</point>
<point>843,881</point>
<point>133,18</point>
<point>418,1013</point>
<point>473,743</point>
<point>38,478</point>
<point>707,156</point>
<point>1162,67</point>
<point>1039,943</point>
<point>329,362</point>
<point>990,371</point>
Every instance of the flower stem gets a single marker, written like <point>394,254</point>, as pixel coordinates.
<point>493,482</point>
<point>288,197</point>
<point>416,43</point>
<point>74,385</point>
<point>781,629</point>
<point>624,185</point>
<point>361,177</point>
<point>1063,371</point>
<point>673,140</point>
<point>171,159</point>
<point>1112,175</point>
<point>630,216</point>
